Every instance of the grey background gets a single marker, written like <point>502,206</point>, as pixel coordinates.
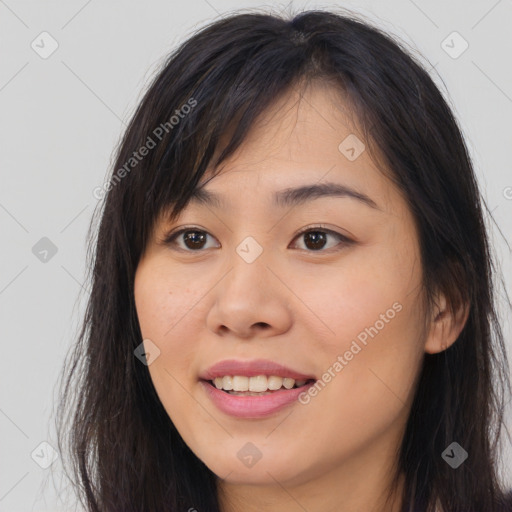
<point>61,118</point>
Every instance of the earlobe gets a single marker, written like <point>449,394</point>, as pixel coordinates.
<point>446,326</point>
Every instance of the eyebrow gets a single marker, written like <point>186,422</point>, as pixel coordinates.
<point>292,196</point>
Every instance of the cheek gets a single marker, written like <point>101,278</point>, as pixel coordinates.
<point>169,308</point>
<point>162,313</point>
<point>164,302</point>
<point>367,313</point>
<point>374,289</point>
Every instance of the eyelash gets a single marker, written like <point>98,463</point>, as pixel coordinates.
<point>345,241</point>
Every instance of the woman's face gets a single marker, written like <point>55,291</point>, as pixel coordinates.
<point>340,305</point>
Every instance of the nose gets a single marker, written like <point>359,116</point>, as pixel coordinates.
<point>250,301</point>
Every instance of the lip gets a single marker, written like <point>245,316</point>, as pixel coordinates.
<point>252,368</point>
<point>253,406</point>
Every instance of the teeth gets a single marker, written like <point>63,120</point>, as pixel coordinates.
<point>240,383</point>
<point>288,383</point>
<point>258,384</point>
<point>227,383</point>
<point>275,383</point>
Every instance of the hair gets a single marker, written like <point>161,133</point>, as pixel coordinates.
<point>125,452</point>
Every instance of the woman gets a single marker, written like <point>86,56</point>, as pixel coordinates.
<point>292,303</point>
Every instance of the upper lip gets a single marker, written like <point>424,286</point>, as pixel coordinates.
<point>252,368</point>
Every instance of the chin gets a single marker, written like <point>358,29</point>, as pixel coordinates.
<point>261,473</point>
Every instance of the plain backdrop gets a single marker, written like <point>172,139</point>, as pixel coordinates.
<point>62,115</point>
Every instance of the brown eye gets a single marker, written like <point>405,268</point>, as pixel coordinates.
<point>193,239</point>
<point>316,239</point>
<point>196,239</point>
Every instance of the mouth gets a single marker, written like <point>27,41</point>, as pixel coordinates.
<point>252,389</point>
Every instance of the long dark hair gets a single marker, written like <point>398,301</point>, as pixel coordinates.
<point>126,453</point>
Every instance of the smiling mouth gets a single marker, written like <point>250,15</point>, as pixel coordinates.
<point>256,386</point>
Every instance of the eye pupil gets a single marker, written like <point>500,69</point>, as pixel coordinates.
<point>318,238</point>
<point>193,236</point>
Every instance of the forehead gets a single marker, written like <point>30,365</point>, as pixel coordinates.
<point>307,145</point>
<point>294,154</point>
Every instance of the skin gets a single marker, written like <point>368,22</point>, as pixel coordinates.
<point>208,304</point>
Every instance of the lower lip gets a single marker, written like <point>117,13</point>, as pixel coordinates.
<point>253,406</point>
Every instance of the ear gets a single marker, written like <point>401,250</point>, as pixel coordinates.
<point>445,326</point>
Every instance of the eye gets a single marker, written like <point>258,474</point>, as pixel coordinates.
<point>194,238</point>
<point>315,238</point>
